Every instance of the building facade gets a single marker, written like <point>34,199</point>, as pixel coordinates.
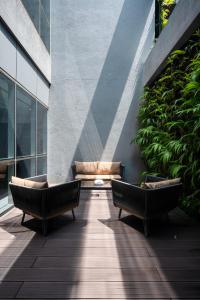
<point>25,72</point>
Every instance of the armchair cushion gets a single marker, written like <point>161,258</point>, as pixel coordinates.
<point>29,183</point>
<point>159,184</point>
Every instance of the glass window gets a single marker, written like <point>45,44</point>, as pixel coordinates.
<point>6,171</point>
<point>27,161</point>
<point>30,157</point>
<point>25,168</point>
<point>32,7</point>
<point>26,124</point>
<point>41,129</point>
<point>7,104</point>
<point>45,30</point>
<point>39,12</point>
<point>45,5</point>
<point>42,165</point>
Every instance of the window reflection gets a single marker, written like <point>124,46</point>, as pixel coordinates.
<point>39,12</point>
<point>42,165</point>
<point>7,97</point>
<point>6,171</point>
<point>26,124</point>
<point>41,129</point>
<point>30,158</point>
<point>25,168</point>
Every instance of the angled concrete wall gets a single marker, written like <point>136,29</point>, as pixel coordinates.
<point>17,19</point>
<point>182,23</point>
<point>98,48</point>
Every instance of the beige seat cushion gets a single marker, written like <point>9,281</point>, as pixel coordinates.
<point>84,167</point>
<point>3,168</point>
<point>163,183</point>
<point>93,177</point>
<point>109,168</point>
<point>29,183</point>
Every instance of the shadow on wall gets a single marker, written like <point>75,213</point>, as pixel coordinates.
<point>111,120</point>
<point>98,127</point>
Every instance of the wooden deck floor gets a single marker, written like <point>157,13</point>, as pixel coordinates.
<point>99,257</point>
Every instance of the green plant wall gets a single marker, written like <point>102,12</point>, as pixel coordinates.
<point>167,7</point>
<point>169,122</point>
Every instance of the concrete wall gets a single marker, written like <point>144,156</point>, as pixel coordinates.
<point>182,23</point>
<point>17,65</point>
<point>98,48</point>
<point>17,19</point>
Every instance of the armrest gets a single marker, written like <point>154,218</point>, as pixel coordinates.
<point>150,178</point>
<point>62,196</point>
<point>163,199</point>
<point>73,167</point>
<point>129,197</point>
<point>122,171</point>
<point>28,199</point>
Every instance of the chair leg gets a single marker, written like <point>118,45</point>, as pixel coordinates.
<point>146,227</point>
<point>73,214</point>
<point>120,212</point>
<point>44,227</point>
<point>23,217</point>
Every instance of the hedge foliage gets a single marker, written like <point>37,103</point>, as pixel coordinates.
<point>169,122</point>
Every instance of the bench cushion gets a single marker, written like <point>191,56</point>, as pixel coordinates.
<point>86,167</point>
<point>93,177</point>
<point>108,168</point>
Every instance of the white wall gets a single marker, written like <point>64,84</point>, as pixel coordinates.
<point>98,50</point>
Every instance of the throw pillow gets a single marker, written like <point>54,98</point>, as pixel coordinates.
<point>29,183</point>
<point>163,183</point>
<point>108,168</point>
<point>86,167</point>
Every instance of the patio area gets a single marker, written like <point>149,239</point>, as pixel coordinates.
<point>99,257</point>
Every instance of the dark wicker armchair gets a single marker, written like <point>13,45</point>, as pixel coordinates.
<point>46,203</point>
<point>145,204</point>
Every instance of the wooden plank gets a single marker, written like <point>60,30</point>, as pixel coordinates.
<point>95,236</point>
<point>98,275</point>
<point>122,290</point>
<point>94,262</point>
<point>16,262</point>
<point>9,289</point>
<point>74,252</point>
<point>102,290</point>
<point>118,262</point>
<point>176,262</point>
<point>22,243</point>
<point>180,275</point>
<point>69,275</point>
<point>124,242</point>
<point>32,274</point>
<point>168,252</point>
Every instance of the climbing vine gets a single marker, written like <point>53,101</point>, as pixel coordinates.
<point>169,122</point>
